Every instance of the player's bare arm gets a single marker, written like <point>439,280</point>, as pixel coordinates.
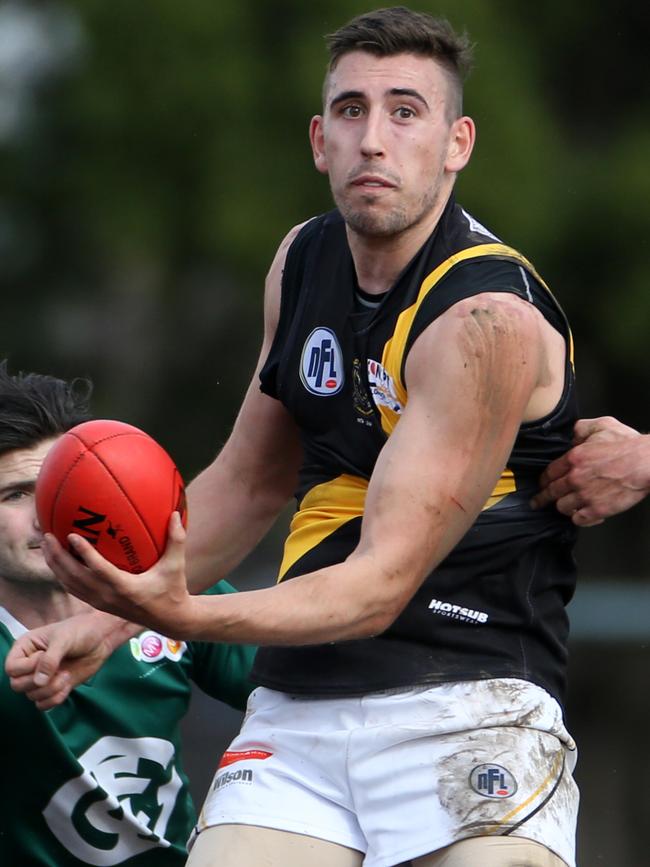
<point>491,357</point>
<point>606,472</point>
<point>234,501</point>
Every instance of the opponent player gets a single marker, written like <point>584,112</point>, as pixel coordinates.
<point>98,780</point>
<point>605,473</point>
<point>416,378</point>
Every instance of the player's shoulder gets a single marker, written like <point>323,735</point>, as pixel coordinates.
<point>289,255</point>
<point>467,227</point>
<point>481,325</point>
<point>303,233</point>
<point>291,236</point>
<point>277,266</point>
<point>495,314</point>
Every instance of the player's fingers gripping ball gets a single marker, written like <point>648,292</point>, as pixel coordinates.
<point>115,486</point>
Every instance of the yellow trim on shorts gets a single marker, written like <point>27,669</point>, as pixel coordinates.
<point>498,825</point>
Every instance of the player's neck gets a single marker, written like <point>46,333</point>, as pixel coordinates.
<point>379,260</point>
<point>36,605</point>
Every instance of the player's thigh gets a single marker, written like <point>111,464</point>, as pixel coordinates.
<point>492,852</point>
<point>252,846</point>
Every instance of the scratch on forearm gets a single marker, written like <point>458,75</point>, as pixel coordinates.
<point>460,506</point>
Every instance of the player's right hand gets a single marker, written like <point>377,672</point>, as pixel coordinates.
<point>157,598</point>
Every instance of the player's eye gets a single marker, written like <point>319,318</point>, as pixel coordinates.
<point>14,496</point>
<point>351,111</point>
<point>404,112</point>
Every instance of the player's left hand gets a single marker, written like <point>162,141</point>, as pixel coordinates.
<point>602,475</point>
<point>157,598</point>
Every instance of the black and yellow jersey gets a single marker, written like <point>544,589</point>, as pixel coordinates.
<point>495,607</point>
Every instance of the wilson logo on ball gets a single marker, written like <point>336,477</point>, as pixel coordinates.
<point>115,486</point>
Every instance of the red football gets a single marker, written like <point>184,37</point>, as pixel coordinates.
<point>114,485</point>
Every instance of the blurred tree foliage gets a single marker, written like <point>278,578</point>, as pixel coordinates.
<point>153,153</point>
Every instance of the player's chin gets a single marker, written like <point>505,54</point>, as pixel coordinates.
<point>376,222</point>
<point>39,573</point>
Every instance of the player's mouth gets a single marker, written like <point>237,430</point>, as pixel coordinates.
<point>372,182</point>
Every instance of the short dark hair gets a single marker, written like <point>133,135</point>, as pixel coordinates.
<point>398,30</point>
<point>35,407</point>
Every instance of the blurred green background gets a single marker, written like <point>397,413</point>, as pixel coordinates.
<point>153,154</point>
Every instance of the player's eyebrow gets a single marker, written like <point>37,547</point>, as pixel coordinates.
<point>409,91</point>
<point>346,94</point>
<point>394,91</point>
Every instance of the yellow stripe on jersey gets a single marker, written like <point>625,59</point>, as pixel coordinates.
<point>506,485</point>
<point>331,504</point>
<point>394,349</point>
<point>322,511</point>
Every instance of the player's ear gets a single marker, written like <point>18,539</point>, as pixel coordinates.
<point>317,139</point>
<point>462,136</point>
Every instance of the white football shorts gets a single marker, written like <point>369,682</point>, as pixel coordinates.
<point>399,774</point>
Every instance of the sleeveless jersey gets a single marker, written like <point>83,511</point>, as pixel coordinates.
<point>99,780</point>
<point>495,607</point>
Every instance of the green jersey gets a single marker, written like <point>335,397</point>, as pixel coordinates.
<point>98,780</point>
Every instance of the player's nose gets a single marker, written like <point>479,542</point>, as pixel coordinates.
<point>36,523</point>
<point>372,141</point>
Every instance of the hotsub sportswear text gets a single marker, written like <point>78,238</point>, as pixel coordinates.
<point>457,612</point>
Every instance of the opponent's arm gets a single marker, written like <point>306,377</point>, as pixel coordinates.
<point>606,472</point>
<point>473,376</point>
<point>48,662</point>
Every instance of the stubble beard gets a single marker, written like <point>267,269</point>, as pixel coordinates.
<point>374,225</point>
<point>373,222</point>
<point>29,577</point>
